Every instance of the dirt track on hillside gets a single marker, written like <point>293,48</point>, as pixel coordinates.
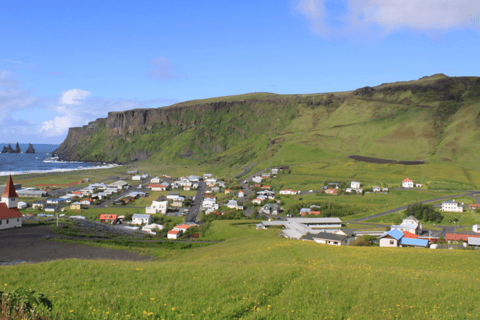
<point>29,244</point>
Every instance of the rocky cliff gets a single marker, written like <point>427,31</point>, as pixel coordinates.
<point>411,120</point>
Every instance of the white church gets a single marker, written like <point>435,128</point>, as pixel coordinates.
<point>10,217</point>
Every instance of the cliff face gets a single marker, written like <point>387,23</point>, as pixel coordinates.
<point>421,117</point>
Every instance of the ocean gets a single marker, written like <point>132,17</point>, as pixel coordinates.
<point>40,162</point>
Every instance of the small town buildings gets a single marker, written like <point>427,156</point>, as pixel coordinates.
<point>474,206</point>
<point>76,206</point>
<point>338,238</point>
<point>172,196</point>
<point>266,175</point>
<point>270,208</point>
<point>384,189</point>
<point>473,242</point>
<point>241,194</point>
<point>112,218</point>
<point>150,227</point>
<point>476,228</point>
<point>288,192</point>
<point>173,234</point>
<point>119,185</point>
<point>157,207</point>
<point>451,206</point>
<point>418,185</point>
<point>228,191</point>
<point>257,179</point>
<point>178,202</point>
<point>51,208</point>
<point>355,185</point>
<point>155,180</point>
<point>21,205</point>
<point>38,205</point>
<point>141,219</point>
<point>331,191</point>
<point>137,178</point>
<point>274,171</point>
<point>407,183</point>
<point>182,227</point>
<point>157,187</point>
<point>318,222</point>
<point>376,189</point>
<point>411,242</point>
<point>10,217</point>
<point>391,238</point>
<point>457,237</point>
<point>410,224</point>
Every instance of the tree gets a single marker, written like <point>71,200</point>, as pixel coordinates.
<point>364,241</point>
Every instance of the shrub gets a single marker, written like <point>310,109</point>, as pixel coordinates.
<point>23,304</point>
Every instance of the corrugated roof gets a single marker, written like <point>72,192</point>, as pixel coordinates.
<point>394,233</point>
<point>294,234</point>
<point>140,216</point>
<point>315,220</point>
<point>414,242</point>
<point>329,236</point>
<point>474,241</point>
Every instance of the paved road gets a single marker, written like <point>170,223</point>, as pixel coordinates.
<point>470,194</point>
<point>194,210</point>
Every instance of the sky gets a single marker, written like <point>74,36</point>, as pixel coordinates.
<point>66,63</point>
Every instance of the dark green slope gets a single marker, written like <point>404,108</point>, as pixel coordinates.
<point>434,117</point>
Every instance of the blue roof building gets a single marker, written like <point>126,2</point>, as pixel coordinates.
<point>409,242</point>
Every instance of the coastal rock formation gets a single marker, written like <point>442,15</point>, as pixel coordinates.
<point>17,148</point>
<point>8,149</point>
<point>30,149</point>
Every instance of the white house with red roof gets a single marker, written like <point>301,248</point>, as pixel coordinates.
<point>10,217</point>
<point>288,191</point>
<point>157,187</point>
<point>407,183</point>
<point>173,234</point>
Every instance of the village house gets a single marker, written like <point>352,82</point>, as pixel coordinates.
<point>38,205</point>
<point>76,205</point>
<point>178,202</point>
<point>274,171</point>
<point>266,175</point>
<point>270,208</point>
<point>257,179</point>
<point>451,206</point>
<point>376,189</point>
<point>141,218</point>
<point>410,224</point>
<point>21,205</point>
<point>355,185</point>
<point>407,183</point>
<point>228,191</point>
<point>182,227</point>
<point>476,228</point>
<point>10,217</point>
<point>156,180</point>
<point>157,187</point>
<point>150,227</point>
<point>288,192</point>
<point>474,206</point>
<point>391,238</point>
<point>157,207</point>
<point>241,194</point>
<point>111,218</point>
<point>173,234</point>
<point>51,208</point>
<point>342,237</point>
<point>331,191</point>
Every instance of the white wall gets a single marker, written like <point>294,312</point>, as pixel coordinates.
<point>385,242</point>
<point>12,223</point>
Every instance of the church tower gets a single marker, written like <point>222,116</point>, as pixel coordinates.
<point>10,196</point>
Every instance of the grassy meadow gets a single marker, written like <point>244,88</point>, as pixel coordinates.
<point>255,274</point>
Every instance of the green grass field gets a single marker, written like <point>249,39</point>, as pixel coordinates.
<point>257,275</point>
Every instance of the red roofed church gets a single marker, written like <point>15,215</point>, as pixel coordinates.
<point>10,217</point>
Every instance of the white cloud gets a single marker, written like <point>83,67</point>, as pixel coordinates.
<point>163,70</point>
<point>72,108</point>
<point>73,96</point>
<point>390,15</point>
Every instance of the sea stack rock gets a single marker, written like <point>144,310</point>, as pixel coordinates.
<point>8,149</point>
<point>17,149</point>
<point>30,149</point>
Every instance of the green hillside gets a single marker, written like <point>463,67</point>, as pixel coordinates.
<point>257,275</point>
<point>434,118</point>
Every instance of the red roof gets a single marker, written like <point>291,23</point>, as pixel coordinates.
<point>6,213</point>
<point>211,197</point>
<point>409,235</point>
<point>10,189</point>
<point>105,216</point>
<point>459,236</point>
<point>156,186</point>
<point>266,187</point>
<point>172,232</point>
<point>407,180</point>
<point>183,226</point>
<point>474,205</point>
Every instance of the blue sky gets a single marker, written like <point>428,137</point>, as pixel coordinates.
<point>65,63</point>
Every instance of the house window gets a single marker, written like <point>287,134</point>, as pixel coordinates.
<point>392,242</point>
<point>7,221</point>
<point>18,219</point>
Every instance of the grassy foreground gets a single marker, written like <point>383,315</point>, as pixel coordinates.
<point>257,275</point>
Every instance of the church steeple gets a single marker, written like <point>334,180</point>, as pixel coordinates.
<point>10,196</point>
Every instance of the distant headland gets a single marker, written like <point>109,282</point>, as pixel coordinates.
<point>9,149</point>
